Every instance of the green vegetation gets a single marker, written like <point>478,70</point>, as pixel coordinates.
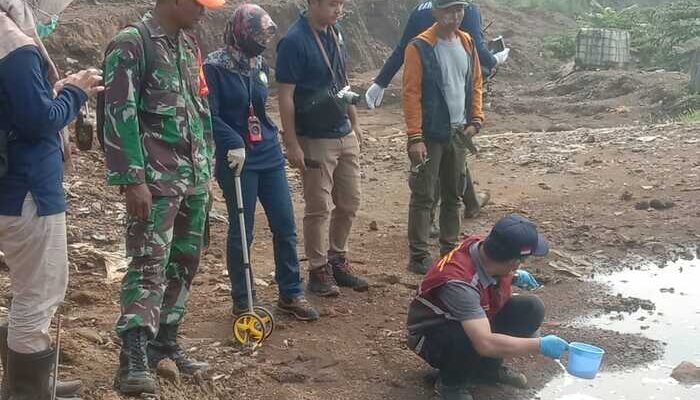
<point>692,117</point>
<point>569,7</point>
<point>688,109</point>
<point>562,47</point>
<point>659,34</point>
<point>663,33</point>
<point>580,7</point>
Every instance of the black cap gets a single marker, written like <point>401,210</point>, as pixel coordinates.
<point>515,236</point>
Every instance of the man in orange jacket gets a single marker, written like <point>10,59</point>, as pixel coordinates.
<point>442,108</point>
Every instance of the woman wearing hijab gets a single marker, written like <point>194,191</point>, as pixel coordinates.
<point>34,108</point>
<point>247,145</point>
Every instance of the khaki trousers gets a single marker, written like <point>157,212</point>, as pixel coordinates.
<point>36,252</point>
<point>331,191</point>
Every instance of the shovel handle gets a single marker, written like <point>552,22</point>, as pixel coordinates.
<point>58,355</point>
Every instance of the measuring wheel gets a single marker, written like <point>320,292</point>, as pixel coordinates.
<point>249,329</point>
<point>267,319</point>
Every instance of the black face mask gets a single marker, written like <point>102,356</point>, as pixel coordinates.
<point>251,48</point>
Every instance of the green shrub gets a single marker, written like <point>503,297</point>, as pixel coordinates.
<point>658,33</point>
<point>692,117</point>
<point>662,32</point>
<point>569,7</point>
<point>562,47</point>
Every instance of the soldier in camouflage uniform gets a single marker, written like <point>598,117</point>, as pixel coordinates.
<point>158,148</point>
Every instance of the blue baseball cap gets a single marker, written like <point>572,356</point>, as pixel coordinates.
<point>515,236</point>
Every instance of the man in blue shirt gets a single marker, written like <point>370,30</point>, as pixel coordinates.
<point>34,107</point>
<point>322,139</point>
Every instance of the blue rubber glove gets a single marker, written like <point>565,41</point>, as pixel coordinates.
<point>552,346</point>
<point>524,280</point>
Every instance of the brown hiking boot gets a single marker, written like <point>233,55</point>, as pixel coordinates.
<point>299,307</point>
<point>322,283</point>
<point>344,275</point>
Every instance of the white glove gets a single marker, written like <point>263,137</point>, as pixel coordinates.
<point>374,96</point>
<point>502,56</point>
<point>236,158</point>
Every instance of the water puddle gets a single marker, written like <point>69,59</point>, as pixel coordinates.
<point>675,290</point>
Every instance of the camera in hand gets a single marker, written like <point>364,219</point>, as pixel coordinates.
<point>348,96</point>
<point>497,45</point>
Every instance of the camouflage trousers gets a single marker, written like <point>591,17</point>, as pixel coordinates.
<point>165,253</point>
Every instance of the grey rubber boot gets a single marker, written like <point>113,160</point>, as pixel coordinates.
<point>64,389</point>
<point>28,376</point>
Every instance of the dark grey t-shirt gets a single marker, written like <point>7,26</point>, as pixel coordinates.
<point>462,301</point>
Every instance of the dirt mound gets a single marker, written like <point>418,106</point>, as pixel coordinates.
<point>524,32</point>
<point>370,27</point>
<point>658,86</point>
<point>591,99</point>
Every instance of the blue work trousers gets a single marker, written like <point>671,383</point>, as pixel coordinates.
<point>272,189</point>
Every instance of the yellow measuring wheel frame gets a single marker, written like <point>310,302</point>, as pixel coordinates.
<point>249,329</point>
<point>267,319</point>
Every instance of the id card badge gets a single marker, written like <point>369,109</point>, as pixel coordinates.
<point>254,127</point>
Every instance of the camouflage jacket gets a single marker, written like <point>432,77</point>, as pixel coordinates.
<point>157,131</point>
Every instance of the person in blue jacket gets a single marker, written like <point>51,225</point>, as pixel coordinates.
<point>420,19</point>
<point>34,107</point>
<point>247,144</point>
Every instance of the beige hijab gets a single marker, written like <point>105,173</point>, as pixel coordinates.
<point>18,29</point>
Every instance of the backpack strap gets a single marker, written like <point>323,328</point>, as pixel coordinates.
<point>148,49</point>
<point>149,55</point>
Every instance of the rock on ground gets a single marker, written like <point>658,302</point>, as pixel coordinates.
<point>687,373</point>
<point>168,370</point>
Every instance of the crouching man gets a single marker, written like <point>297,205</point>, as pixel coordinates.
<point>464,320</point>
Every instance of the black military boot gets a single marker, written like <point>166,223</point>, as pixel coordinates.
<point>134,376</point>
<point>165,346</point>
<point>63,388</point>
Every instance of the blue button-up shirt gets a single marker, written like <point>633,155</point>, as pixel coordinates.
<point>29,111</point>
<point>300,62</point>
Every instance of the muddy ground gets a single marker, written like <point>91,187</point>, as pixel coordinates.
<point>574,151</point>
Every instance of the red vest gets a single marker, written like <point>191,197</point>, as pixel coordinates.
<point>457,265</point>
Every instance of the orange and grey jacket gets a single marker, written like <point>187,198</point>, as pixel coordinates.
<point>423,99</point>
